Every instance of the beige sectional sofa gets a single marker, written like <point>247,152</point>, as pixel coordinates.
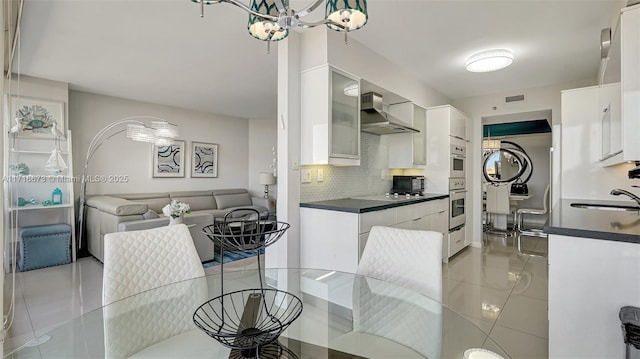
<point>135,211</point>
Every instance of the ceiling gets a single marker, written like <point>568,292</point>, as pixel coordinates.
<point>163,52</point>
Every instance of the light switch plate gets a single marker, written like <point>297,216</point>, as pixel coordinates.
<point>320,175</point>
<point>306,175</point>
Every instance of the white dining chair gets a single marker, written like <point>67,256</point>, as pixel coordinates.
<point>141,310</point>
<point>136,261</point>
<point>498,203</point>
<point>384,325</point>
<point>409,258</point>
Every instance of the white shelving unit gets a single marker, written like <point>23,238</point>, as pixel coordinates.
<point>38,184</point>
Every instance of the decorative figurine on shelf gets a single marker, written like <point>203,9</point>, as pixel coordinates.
<point>175,210</point>
<point>46,203</point>
<point>21,169</point>
<point>56,196</point>
<point>23,202</point>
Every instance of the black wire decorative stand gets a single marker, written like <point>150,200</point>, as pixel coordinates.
<point>248,321</point>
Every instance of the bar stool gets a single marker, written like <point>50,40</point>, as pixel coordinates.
<point>534,211</point>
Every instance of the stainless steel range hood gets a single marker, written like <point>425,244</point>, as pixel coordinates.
<point>375,121</point>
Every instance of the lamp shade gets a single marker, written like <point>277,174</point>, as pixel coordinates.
<point>352,14</point>
<point>165,129</point>
<point>141,133</point>
<point>267,178</point>
<point>260,28</point>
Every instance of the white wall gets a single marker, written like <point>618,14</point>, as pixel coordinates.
<point>88,113</point>
<point>263,138</point>
<point>361,61</point>
<point>542,98</point>
<point>27,86</point>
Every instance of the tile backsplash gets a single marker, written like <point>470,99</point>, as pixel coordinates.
<point>351,181</point>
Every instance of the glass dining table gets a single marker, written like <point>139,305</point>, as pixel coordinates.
<point>343,315</point>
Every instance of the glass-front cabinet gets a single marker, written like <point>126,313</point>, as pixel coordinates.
<point>408,150</point>
<point>345,116</point>
<point>330,123</point>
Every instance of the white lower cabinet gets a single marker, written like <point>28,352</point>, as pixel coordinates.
<point>589,281</point>
<point>335,240</point>
<point>454,242</point>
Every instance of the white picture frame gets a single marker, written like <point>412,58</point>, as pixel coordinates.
<point>168,161</point>
<point>37,117</point>
<point>204,160</point>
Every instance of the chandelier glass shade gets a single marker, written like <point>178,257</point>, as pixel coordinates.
<point>271,20</point>
<point>261,28</point>
<point>491,144</point>
<point>352,14</point>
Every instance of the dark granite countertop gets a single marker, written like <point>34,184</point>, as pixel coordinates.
<point>623,226</point>
<point>358,205</point>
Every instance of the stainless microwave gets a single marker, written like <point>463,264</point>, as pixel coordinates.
<point>408,185</point>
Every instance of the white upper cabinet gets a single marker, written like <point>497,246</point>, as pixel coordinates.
<point>458,124</point>
<point>620,132</point>
<point>448,120</point>
<point>330,123</point>
<point>610,115</point>
<point>408,150</point>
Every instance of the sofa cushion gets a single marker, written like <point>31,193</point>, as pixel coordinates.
<point>154,201</point>
<point>197,200</point>
<point>117,206</point>
<point>225,201</point>
<point>150,214</point>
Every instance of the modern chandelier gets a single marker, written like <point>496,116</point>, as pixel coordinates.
<point>270,20</point>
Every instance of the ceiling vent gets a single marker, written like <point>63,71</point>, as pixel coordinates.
<point>516,98</point>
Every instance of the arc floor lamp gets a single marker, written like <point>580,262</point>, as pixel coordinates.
<point>138,128</point>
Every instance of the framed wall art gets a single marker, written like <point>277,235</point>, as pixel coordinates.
<point>168,161</point>
<point>204,159</point>
<point>37,117</point>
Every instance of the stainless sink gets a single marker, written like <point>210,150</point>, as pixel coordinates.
<point>606,207</point>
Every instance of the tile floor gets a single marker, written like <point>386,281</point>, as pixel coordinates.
<point>503,293</point>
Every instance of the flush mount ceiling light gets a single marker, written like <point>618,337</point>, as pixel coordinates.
<point>490,60</point>
<point>270,20</point>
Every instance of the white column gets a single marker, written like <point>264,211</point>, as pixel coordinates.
<point>286,252</point>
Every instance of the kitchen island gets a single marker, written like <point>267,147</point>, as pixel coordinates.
<point>594,270</point>
<point>334,232</point>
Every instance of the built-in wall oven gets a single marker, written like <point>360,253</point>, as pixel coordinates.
<point>457,203</point>
<point>458,158</point>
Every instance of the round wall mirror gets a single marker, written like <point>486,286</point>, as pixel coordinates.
<point>506,165</point>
